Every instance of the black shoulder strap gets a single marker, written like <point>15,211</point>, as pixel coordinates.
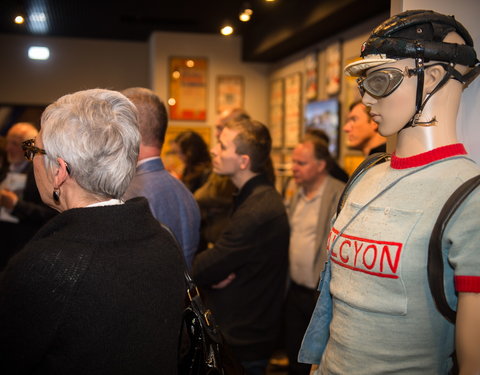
<point>435,259</point>
<point>370,161</point>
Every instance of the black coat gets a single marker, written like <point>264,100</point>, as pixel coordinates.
<point>254,246</point>
<point>98,290</point>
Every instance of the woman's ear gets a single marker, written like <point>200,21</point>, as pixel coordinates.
<point>432,77</point>
<point>60,173</point>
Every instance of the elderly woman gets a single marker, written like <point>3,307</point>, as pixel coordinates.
<point>100,288</point>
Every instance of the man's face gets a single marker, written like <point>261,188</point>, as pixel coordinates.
<point>225,159</point>
<point>306,169</point>
<point>15,137</point>
<point>359,127</point>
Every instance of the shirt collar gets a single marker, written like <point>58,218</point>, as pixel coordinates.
<point>248,188</point>
<point>427,157</point>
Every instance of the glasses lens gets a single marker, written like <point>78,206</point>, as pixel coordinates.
<point>382,83</point>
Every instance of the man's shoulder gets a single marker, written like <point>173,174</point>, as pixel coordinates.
<point>264,202</point>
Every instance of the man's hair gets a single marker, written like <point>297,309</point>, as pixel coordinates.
<point>96,133</point>
<point>365,108</point>
<point>320,149</point>
<point>152,115</point>
<point>26,129</point>
<point>253,139</point>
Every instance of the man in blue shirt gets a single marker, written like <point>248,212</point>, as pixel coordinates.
<point>170,201</point>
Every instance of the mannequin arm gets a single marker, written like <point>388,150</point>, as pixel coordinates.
<point>468,333</point>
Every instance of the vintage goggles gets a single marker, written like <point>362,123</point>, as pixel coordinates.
<point>381,83</point>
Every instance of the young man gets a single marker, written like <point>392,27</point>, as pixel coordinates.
<point>243,276</point>
<point>310,211</point>
<point>362,131</point>
<point>383,318</point>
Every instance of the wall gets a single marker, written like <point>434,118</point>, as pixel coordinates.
<point>224,58</point>
<point>74,64</point>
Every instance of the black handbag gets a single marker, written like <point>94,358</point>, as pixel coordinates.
<point>201,347</point>
<point>202,350</point>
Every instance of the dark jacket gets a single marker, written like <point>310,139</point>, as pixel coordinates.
<point>98,290</point>
<point>254,246</point>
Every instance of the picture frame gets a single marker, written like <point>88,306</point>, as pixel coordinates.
<point>293,109</point>
<point>276,114</point>
<point>230,92</point>
<point>188,77</point>
<point>325,115</point>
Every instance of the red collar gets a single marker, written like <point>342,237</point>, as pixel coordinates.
<point>427,157</point>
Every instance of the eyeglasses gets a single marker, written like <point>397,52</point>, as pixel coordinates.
<point>31,150</point>
<point>381,83</point>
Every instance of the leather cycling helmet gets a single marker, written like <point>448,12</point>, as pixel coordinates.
<point>418,34</point>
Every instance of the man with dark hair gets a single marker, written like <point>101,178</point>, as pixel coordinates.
<point>244,275</point>
<point>362,131</point>
<point>170,201</point>
<point>310,211</point>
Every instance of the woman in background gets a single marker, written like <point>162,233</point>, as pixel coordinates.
<point>194,153</point>
<point>99,289</point>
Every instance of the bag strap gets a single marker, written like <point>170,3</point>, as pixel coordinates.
<point>206,318</point>
<point>369,162</point>
<point>435,258</point>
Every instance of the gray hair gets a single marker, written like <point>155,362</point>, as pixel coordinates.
<point>96,133</point>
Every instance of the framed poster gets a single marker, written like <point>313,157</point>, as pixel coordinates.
<point>230,92</point>
<point>276,112</point>
<point>311,77</point>
<point>293,100</point>
<point>333,73</point>
<point>188,88</point>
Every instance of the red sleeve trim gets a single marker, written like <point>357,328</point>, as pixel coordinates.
<point>468,284</point>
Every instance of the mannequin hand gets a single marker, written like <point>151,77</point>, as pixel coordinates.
<point>8,199</point>
<point>222,284</point>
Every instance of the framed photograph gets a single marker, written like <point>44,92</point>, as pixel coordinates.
<point>311,77</point>
<point>188,88</point>
<point>230,92</point>
<point>293,110</point>
<point>333,69</point>
<point>324,115</point>
<point>276,115</point>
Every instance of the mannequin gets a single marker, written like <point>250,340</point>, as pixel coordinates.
<point>375,314</point>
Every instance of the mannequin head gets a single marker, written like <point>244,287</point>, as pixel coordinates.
<point>412,72</point>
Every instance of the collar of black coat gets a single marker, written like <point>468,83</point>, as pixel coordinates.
<point>248,188</point>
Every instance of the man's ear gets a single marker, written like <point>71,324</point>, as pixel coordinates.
<point>432,76</point>
<point>244,161</point>
<point>322,164</point>
<point>60,173</point>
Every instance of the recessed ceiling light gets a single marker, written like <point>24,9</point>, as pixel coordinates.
<point>227,30</point>
<point>19,20</point>
<point>38,53</point>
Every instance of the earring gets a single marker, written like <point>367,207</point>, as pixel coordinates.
<point>56,195</point>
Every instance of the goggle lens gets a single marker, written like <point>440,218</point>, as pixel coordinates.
<point>380,83</point>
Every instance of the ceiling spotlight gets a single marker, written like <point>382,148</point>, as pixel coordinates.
<point>227,30</point>
<point>246,13</point>
<point>19,20</point>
